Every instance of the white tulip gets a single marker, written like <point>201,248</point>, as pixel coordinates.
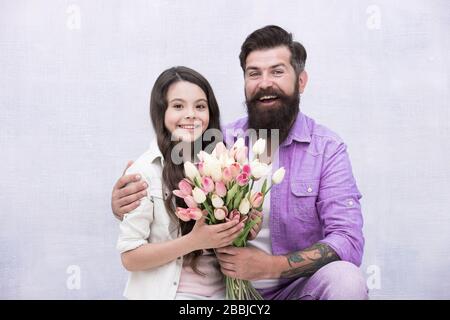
<point>258,169</point>
<point>278,176</point>
<point>191,170</point>
<point>259,146</point>
<point>208,164</point>
<point>207,168</point>
<point>219,149</point>
<point>239,143</point>
<point>202,155</point>
<point>199,195</point>
<point>217,201</point>
<point>215,170</point>
<point>241,155</point>
<point>244,207</point>
<point>207,157</point>
<point>225,160</point>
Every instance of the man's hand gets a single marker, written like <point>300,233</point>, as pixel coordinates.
<point>127,192</point>
<point>246,263</point>
<point>257,227</point>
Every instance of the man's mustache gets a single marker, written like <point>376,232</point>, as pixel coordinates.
<point>271,92</point>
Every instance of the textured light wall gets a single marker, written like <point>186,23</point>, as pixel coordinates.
<point>75,81</point>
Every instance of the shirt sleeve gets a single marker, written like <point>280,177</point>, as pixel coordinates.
<point>339,207</point>
<point>135,226</point>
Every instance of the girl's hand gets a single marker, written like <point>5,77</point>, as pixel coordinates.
<point>204,236</point>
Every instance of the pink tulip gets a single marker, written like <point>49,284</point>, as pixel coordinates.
<point>235,169</point>
<point>226,175</point>
<point>233,215</point>
<point>256,199</point>
<point>201,168</point>
<point>182,213</point>
<point>185,187</point>
<point>236,215</point>
<point>194,213</point>
<point>208,184</point>
<point>221,190</point>
<point>190,202</point>
<point>178,193</point>
<point>242,179</point>
<point>246,169</point>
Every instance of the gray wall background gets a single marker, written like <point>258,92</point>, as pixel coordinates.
<point>75,81</point>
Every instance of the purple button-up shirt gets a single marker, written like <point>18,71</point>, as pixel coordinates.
<point>318,200</point>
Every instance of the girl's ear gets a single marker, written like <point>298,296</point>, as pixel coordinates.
<point>302,81</point>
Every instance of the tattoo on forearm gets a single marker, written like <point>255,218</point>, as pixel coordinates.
<point>306,262</point>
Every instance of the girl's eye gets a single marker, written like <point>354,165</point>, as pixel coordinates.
<point>177,106</point>
<point>201,106</point>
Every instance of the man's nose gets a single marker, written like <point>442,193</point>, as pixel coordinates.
<point>266,82</point>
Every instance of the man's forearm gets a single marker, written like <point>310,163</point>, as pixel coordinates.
<point>306,262</point>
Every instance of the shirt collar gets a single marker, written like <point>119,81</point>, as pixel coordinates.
<point>299,132</point>
<point>154,153</point>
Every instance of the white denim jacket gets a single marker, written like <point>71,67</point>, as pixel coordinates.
<point>150,223</point>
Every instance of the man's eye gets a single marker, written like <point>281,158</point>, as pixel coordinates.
<point>253,74</point>
<point>278,72</point>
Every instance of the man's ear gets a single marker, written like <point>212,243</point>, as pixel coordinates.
<point>302,81</point>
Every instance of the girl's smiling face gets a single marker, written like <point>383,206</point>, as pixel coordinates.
<point>187,113</point>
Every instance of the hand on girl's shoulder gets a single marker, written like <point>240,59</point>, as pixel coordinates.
<point>149,169</point>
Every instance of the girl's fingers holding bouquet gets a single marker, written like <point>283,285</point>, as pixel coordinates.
<point>228,241</point>
<point>199,224</point>
<point>201,221</point>
<point>227,236</point>
<point>221,227</point>
<point>233,232</point>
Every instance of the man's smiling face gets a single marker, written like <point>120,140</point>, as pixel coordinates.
<point>272,90</point>
<point>269,76</point>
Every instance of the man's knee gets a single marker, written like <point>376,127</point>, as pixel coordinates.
<point>341,280</point>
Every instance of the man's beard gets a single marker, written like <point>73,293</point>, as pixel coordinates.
<point>280,116</point>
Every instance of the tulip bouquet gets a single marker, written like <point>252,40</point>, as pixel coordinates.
<point>219,188</point>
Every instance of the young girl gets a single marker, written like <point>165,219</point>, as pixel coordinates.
<point>167,257</point>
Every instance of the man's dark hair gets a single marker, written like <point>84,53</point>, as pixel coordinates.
<point>270,37</point>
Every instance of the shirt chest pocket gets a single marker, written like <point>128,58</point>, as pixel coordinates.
<point>303,200</point>
<point>161,224</point>
<point>155,188</point>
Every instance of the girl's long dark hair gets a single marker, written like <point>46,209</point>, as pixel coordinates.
<point>173,173</point>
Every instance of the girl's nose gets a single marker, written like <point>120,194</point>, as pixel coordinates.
<point>190,113</point>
